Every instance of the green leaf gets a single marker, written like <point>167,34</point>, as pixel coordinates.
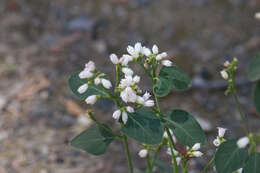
<point>229,157</point>
<point>163,167</point>
<point>162,87</point>
<point>254,69</point>
<point>94,140</point>
<point>257,96</point>
<point>75,82</point>
<point>143,126</point>
<point>253,164</point>
<point>185,127</point>
<point>178,78</point>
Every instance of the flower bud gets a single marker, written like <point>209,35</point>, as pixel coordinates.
<point>124,117</point>
<point>106,83</point>
<point>146,95</point>
<point>146,51</point>
<point>178,160</point>
<point>149,103</point>
<point>221,131</point>
<point>90,66</point>
<point>143,153</point>
<point>216,142</point>
<point>155,49</point>
<point>167,63</point>
<point>127,71</point>
<point>114,58</point>
<point>224,74</point>
<point>116,115</point>
<point>196,146</point>
<point>85,74</point>
<point>158,57</point>
<point>130,109</point>
<point>197,153</point>
<point>97,81</point>
<point>91,99</point>
<point>83,88</point>
<point>243,142</point>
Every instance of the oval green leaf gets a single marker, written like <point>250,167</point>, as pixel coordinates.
<point>185,127</point>
<point>229,157</point>
<point>94,140</point>
<point>257,96</point>
<point>144,126</point>
<point>254,69</point>
<point>253,164</point>
<point>162,87</point>
<point>75,82</point>
<point>178,78</point>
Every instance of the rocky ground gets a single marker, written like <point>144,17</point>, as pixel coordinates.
<point>42,42</point>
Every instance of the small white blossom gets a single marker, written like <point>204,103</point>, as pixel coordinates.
<point>131,50</point>
<point>91,99</point>
<point>197,153</point>
<point>106,83</point>
<point>97,81</point>
<point>178,160</point>
<point>85,74</point>
<point>224,74</point>
<point>164,55</point>
<point>124,117</point>
<point>130,109</point>
<point>221,131</point>
<point>138,48</point>
<point>114,59</point>
<point>243,142</point>
<point>136,79</point>
<point>257,15</point>
<point>128,95</point>
<point>140,100</point>
<point>216,142</point>
<point>90,66</point>
<point>125,59</point>
<point>146,51</point>
<point>149,103</point>
<point>167,63</point>
<point>83,88</point>
<point>146,96</point>
<point>240,170</point>
<point>196,146</point>
<point>116,115</point>
<point>158,57</point>
<point>127,71</point>
<point>143,153</point>
<point>155,49</point>
<point>126,82</point>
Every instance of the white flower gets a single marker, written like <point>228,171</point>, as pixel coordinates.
<point>124,117</point>
<point>91,99</point>
<point>216,142</point>
<point>131,50</point>
<point>140,100</point>
<point>240,170</point>
<point>143,153</point>
<point>125,59</point>
<point>257,15</point>
<point>114,58</point>
<point>146,51</point>
<point>83,88</point>
<point>138,48</point>
<point>146,96</point>
<point>224,74</point>
<point>243,142</point>
<point>221,131</point>
<point>136,79</point>
<point>196,146</point>
<point>167,63</point>
<point>116,115</point>
<point>178,160</point>
<point>90,66</point>
<point>106,83</point>
<point>149,103</point>
<point>155,49</point>
<point>126,82</point>
<point>158,57</point>
<point>164,55</point>
<point>85,74</point>
<point>127,71</point>
<point>97,81</point>
<point>197,153</point>
<point>130,109</point>
<point>128,95</point>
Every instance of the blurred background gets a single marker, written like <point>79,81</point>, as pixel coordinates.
<point>43,41</point>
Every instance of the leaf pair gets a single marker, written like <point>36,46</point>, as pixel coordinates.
<point>168,77</point>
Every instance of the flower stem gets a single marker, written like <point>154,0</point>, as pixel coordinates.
<point>128,154</point>
<point>208,165</point>
<point>149,165</point>
<point>186,165</point>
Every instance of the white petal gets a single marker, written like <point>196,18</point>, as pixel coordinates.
<point>146,51</point>
<point>114,58</point>
<point>243,142</point>
<point>136,79</point>
<point>91,99</point>
<point>85,74</point>
<point>106,83</point>
<point>178,160</point>
<point>127,71</point>
<point>124,117</point>
<point>146,96</point>
<point>221,131</point>
<point>130,50</point>
<point>257,15</point>
<point>143,153</point>
<point>138,47</point>
<point>90,66</point>
<point>224,74</point>
<point>196,146</point>
<point>97,81</point>
<point>197,153</point>
<point>83,88</point>
<point>216,142</point>
<point>116,114</point>
<point>149,103</point>
<point>130,109</point>
<point>155,49</point>
<point>167,63</point>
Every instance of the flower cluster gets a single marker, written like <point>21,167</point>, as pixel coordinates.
<point>220,138</point>
<point>193,152</point>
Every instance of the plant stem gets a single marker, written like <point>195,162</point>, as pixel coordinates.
<point>208,165</point>
<point>148,163</point>
<point>128,154</point>
<point>156,153</point>
<point>186,165</point>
